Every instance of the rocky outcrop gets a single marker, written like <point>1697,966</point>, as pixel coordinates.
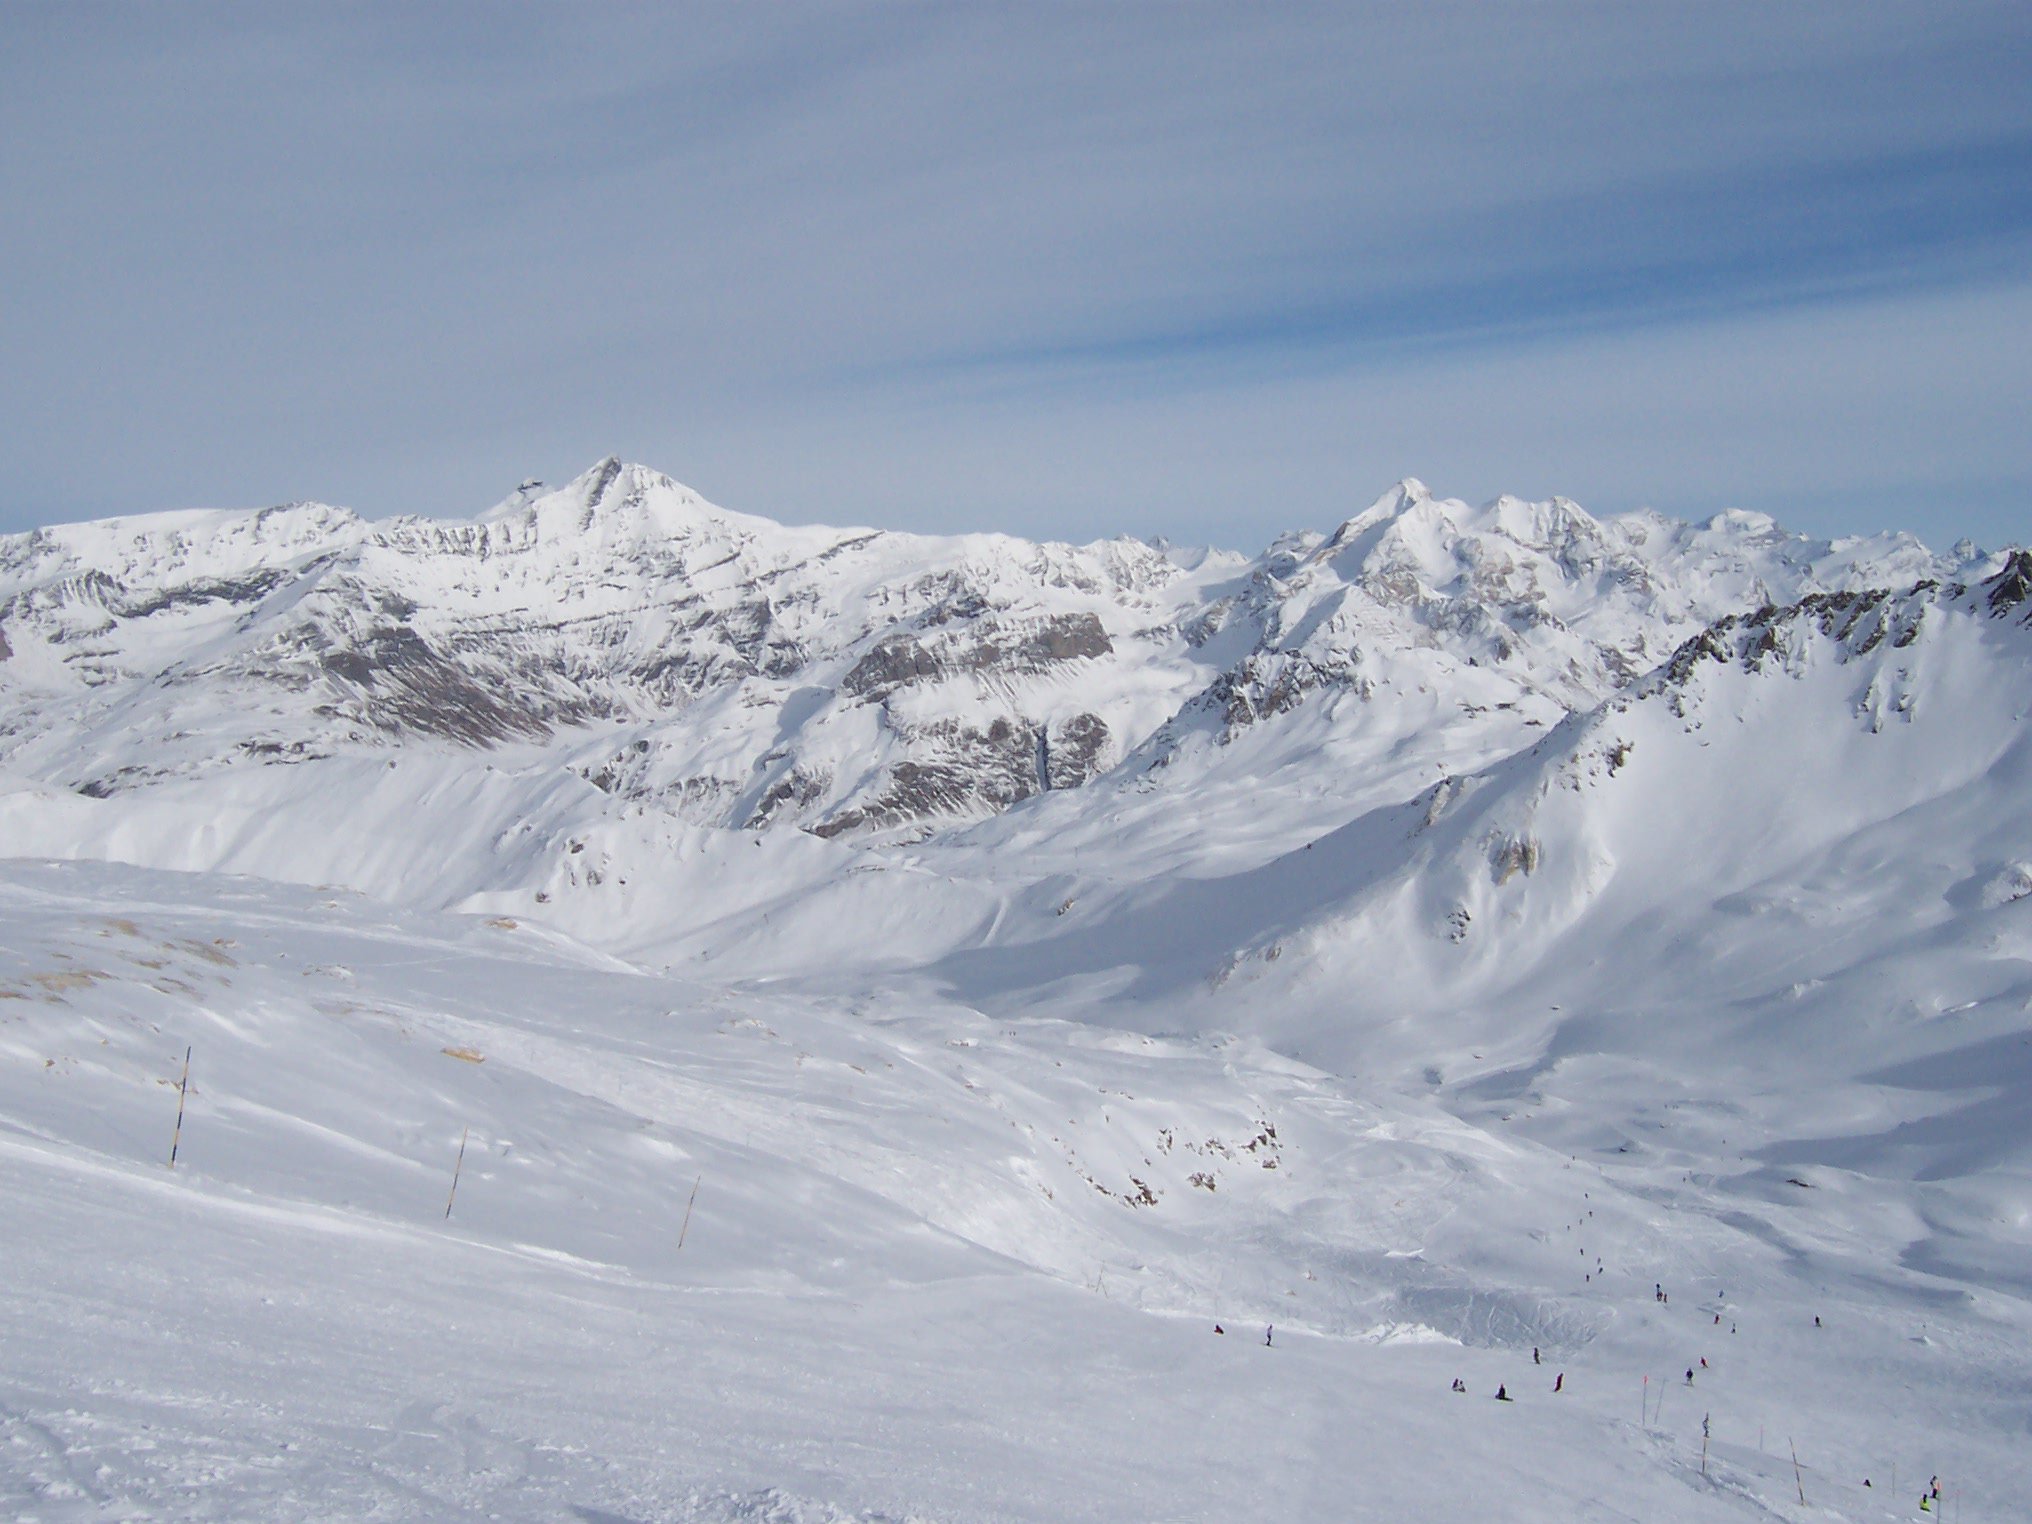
<point>986,645</point>
<point>2011,589</point>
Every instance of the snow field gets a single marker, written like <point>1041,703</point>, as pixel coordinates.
<point>912,1286</point>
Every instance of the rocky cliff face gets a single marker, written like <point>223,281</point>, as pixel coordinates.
<point>738,672</point>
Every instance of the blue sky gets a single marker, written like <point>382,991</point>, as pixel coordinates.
<point>1207,271</point>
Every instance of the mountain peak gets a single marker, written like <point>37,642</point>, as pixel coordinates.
<point>1743,521</point>
<point>1407,494</point>
<point>614,482</point>
<point>611,499</point>
<point>613,475</point>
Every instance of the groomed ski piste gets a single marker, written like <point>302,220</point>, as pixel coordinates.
<point>1160,1146</point>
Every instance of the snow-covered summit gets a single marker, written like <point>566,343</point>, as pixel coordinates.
<point>616,504</point>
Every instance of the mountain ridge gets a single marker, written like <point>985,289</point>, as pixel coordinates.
<point>975,670</point>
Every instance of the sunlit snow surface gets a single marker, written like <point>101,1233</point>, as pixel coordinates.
<point>849,1179</point>
<point>911,1286</point>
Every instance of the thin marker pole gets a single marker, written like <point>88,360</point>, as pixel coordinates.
<point>1796,1480</point>
<point>456,1167</point>
<point>686,1228</point>
<point>182,1092</point>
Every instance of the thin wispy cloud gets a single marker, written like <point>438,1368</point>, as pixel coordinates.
<point>857,261</point>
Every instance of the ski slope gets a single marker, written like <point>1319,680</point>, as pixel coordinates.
<point>911,1286</point>
<point>1479,921</point>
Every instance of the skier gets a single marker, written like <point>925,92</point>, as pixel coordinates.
<point>1689,1375</point>
<point>1218,1329</point>
<point>1503,1394</point>
<point>1267,1327</point>
<point>1559,1381</point>
<point>1534,1355</point>
<point>1458,1386</point>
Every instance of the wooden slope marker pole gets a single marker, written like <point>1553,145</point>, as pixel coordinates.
<point>1797,1481</point>
<point>686,1228</point>
<point>1644,1405</point>
<point>182,1093</point>
<point>456,1167</point>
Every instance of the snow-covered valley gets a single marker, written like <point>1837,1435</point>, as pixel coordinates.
<point>897,997</point>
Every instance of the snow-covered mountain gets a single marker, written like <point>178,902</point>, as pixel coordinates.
<point>731,671</point>
<point>1427,938</point>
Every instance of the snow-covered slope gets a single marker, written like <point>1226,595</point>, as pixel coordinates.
<point>719,1254</point>
<point>1427,938</point>
<point>1843,766</point>
<point>1769,908</point>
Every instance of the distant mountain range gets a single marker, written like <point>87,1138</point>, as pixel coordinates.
<point>735,672</point>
